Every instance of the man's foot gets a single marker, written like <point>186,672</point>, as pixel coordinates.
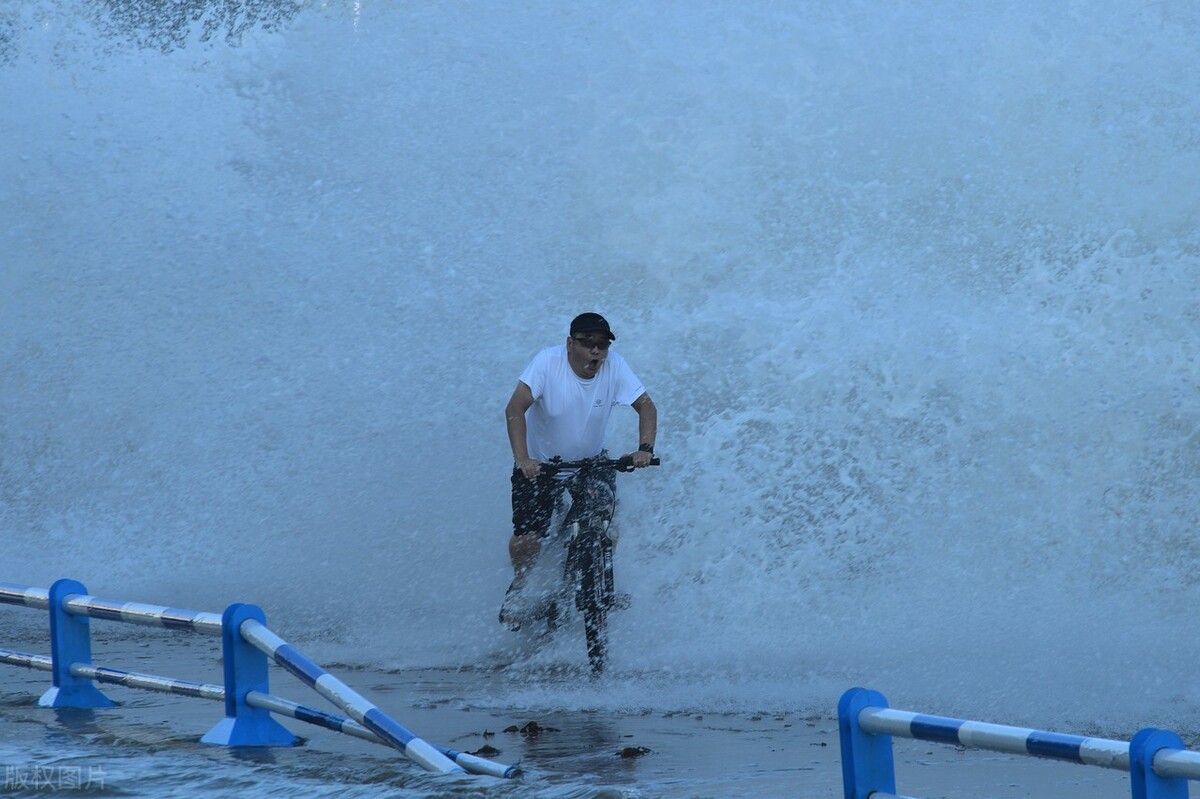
<point>509,611</point>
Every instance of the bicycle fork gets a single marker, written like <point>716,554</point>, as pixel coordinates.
<point>590,564</point>
<point>589,570</point>
<point>592,570</point>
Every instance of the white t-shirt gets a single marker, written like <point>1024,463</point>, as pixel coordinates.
<point>569,414</point>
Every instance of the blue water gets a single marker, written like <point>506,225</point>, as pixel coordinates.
<point>914,285</point>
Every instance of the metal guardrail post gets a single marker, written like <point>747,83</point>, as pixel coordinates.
<point>1146,784</point>
<point>275,704</point>
<point>246,670</point>
<point>70,643</point>
<point>1157,762</point>
<point>247,647</point>
<point>867,763</point>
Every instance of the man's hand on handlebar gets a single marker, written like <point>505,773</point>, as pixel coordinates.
<point>529,467</point>
<point>640,458</point>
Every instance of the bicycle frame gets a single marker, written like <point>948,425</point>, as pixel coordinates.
<point>588,563</point>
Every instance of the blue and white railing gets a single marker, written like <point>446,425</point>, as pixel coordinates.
<point>247,643</point>
<point>1158,763</point>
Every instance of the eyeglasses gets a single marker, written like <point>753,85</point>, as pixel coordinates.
<point>591,343</point>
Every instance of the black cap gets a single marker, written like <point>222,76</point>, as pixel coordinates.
<point>591,323</point>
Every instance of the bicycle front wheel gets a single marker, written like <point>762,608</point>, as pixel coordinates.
<point>595,631</point>
<point>593,596</point>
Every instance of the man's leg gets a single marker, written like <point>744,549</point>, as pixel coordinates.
<point>523,550</point>
<point>533,506</point>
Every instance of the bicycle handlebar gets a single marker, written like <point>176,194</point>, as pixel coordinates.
<point>624,464</point>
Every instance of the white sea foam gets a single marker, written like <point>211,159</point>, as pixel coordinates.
<point>914,287</point>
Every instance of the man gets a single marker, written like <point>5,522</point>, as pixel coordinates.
<point>560,408</point>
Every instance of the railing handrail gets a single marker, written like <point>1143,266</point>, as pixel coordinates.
<point>26,595</point>
<point>996,737</point>
<point>344,697</point>
<point>115,610</point>
<point>1103,752</point>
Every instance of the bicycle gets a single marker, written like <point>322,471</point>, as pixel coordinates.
<point>587,557</point>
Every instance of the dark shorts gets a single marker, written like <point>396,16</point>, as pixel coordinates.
<point>533,500</point>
